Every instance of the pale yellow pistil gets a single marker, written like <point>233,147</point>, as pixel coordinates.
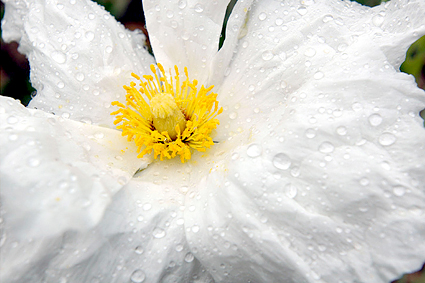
<point>166,115</point>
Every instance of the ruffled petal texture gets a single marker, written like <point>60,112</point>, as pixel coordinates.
<point>140,239</point>
<point>80,56</point>
<point>68,171</point>
<point>324,182</point>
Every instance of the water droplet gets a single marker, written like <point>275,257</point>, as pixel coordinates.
<point>385,165</point>
<point>327,18</point>
<point>310,133</point>
<point>189,257</point>
<point>179,248</point>
<point>182,4</point>
<point>342,131</point>
<point>302,10</point>
<point>375,120</point>
<point>364,181</point>
<point>199,8</point>
<point>60,85</point>
<point>387,139</point>
<point>310,52</point>
<point>281,161</point>
<point>89,35</point>
<point>33,162</point>
<point>399,191</point>
<point>59,57</point>
<point>79,77</point>
<point>318,75</point>
<point>233,115</point>
<point>92,16</point>
<point>137,276</point>
<point>290,190</point>
<point>138,250</point>
<point>158,233</point>
<point>12,120</point>
<point>377,20</point>
<point>262,16</point>
<point>108,49</point>
<point>170,14</point>
<point>254,150</point>
<point>267,55</point>
<point>326,147</point>
<point>147,206</point>
<point>195,228</point>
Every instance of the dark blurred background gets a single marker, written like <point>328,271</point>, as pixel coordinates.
<point>14,67</point>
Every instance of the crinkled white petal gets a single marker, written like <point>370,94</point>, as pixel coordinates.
<point>80,57</point>
<point>58,174</point>
<point>325,179</point>
<point>141,238</point>
<point>185,33</point>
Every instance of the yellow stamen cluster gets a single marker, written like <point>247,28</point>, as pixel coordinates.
<point>167,116</point>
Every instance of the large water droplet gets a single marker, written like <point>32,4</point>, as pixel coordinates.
<point>375,120</point>
<point>267,55</point>
<point>326,147</point>
<point>182,4</point>
<point>137,276</point>
<point>189,257</point>
<point>387,139</point>
<point>262,16</point>
<point>281,161</point>
<point>302,10</point>
<point>199,8</point>
<point>158,233</point>
<point>377,20</point>
<point>254,150</point>
<point>79,77</point>
<point>399,191</point>
<point>310,52</point>
<point>290,190</point>
<point>138,250</point>
<point>318,75</point>
<point>59,57</point>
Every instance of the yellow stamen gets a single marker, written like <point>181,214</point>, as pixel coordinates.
<point>167,116</point>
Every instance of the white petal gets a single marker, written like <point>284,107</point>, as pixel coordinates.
<point>58,174</point>
<point>185,33</point>
<point>332,161</point>
<point>80,56</point>
<point>141,238</point>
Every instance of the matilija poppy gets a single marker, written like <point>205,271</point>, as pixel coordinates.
<point>313,171</point>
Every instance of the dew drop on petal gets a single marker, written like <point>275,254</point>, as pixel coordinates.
<point>290,190</point>
<point>60,85</point>
<point>399,191</point>
<point>108,49</point>
<point>318,75</point>
<point>33,162</point>
<point>189,257</point>
<point>310,133</point>
<point>326,147</point>
<point>199,8</point>
<point>387,139</point>
<point>254,150</point>
<point>158,233</point>
<point>59,57</point>
<point>375,120</point>
<point>281,161</point>
<point>302,10</point>
<point>342,131</point>
<point>182,4</point>
<point>262,16</point>
<point>138,250</point>
<point>377,20</point>
<point>310,52</point>
<point>89,35</point>
<point>327,18</point>
<point>79,77</point>
<point>137,276</point>
<point>267,55</point>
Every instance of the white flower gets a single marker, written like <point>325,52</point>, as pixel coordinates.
<point>318,175</point>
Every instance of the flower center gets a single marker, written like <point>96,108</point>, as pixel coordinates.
<point>167,116</point>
